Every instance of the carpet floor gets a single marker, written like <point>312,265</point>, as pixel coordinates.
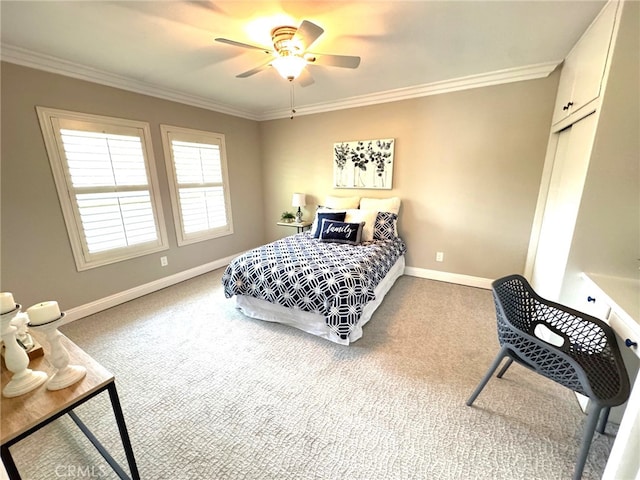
<point>208,393</point>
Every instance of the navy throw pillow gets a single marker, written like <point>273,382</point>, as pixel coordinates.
<point>385,227</point>
<point>341,232</point>
<point>336,216</point>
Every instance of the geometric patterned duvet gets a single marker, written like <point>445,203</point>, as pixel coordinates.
<point>301,272</point>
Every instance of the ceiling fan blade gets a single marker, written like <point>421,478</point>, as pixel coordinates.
<point>254,70</point>
<point>207,5</point>
<point>242,45</point>
<point>343,61</point>
<point>308,33</point>
<point>305,79</point>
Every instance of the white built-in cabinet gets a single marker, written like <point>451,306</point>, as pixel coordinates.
<point>584,68</point>
<point>619,310</point>
<point>582,81</point>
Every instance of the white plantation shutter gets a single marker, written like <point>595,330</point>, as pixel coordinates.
<point>109,178</point>
<point>115,220</point>
<point>196,165</point>
<point>106,186</point>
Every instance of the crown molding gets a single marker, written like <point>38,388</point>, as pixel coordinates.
<point>518,74</point>
<point>28,58</point>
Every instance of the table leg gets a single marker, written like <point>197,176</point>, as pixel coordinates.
<point>9,464</point>
<point>124,434</point>
<point>96,443</point>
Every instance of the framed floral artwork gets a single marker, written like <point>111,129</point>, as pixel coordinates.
<point>363,164</point>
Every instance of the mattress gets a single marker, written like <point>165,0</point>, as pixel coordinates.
<point>309,276</point>
<point>314,323</point>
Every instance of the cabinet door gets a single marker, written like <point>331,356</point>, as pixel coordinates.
<point>561,209</point>
<point>566,85</point>
<point>593,52</point>
<point>583,69</point>
<point>623,461</point>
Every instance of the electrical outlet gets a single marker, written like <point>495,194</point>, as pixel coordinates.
<point>164,261</point>
<point>439,256</point>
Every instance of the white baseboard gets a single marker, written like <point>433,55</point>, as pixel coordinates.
<point>458,278</point>
<point>135,292</point>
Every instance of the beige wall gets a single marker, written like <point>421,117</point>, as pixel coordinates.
<point>37,263</point>
<point>467,167</point>
<point>607,234</point>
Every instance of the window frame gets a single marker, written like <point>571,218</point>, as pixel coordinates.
<point>170,133</point>
<point>50,123</point>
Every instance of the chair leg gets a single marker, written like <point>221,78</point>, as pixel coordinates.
<point>587,436</point>
<point>496,362</point>
<point>604,417</point>
<point>505,368</point>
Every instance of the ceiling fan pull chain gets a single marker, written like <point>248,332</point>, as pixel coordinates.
<point>291,96</point>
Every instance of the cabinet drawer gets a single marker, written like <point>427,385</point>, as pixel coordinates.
<point>594,304</point>
<point>626,332</point>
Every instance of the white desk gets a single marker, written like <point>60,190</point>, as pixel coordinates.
<point>622,296</point>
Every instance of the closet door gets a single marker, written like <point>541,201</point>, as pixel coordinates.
<point>568,175</point>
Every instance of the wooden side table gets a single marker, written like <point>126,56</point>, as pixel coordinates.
<point>23,415</point>
<point>300,226</point>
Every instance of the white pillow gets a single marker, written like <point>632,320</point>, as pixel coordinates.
<point>341,202</point>
<point>381,204</point>
<point>358,215</point>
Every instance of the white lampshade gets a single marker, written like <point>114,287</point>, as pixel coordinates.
<point>289,66</point>
<point>298,200</point>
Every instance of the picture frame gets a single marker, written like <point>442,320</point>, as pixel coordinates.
<point>363,164</point>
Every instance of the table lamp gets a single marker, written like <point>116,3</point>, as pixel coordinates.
<point>299,200</point>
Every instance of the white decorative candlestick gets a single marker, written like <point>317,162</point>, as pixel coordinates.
<point>7,303</point>
<point>43,312</point>
<point>22,334</point>
<point>46,317</point>
<point>16,359</point>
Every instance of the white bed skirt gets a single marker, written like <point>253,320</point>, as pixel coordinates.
<point>315,323</point>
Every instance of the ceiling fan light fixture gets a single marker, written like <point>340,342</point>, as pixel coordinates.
<point>290,55</point>
<point>289,66</point>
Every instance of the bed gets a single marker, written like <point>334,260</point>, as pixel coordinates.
<point>323,286</point>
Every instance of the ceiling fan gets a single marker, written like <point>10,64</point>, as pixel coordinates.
<point>289,55</point>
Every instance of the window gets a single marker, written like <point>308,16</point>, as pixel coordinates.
<point>104,173</point>
<point>197,171</point>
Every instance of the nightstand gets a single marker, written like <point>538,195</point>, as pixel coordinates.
<point>300,226</point>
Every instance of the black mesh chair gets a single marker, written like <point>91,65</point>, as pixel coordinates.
<point>569,347</point>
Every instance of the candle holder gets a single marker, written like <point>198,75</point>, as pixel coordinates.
<point>23,337</point>
<point>58,356</point>
<point>16,359</point>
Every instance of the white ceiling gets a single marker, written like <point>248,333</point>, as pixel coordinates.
<point>166,48</point>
